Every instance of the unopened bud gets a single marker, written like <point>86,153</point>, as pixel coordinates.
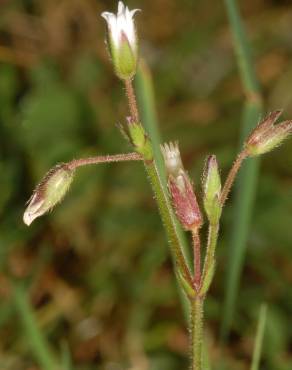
<point>49,192</point>
<point>212,189</point>
<point>267,136</point>
<point>181,190</point>
<point>122,40</point>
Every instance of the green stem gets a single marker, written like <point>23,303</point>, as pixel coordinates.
<point>146,104</point>
<point>168,218</point>
<point>197,332</point>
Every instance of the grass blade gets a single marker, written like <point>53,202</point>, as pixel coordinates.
<point>259,338</point>
<point>247,180</point>
<point>245,194</point>
<point>33,334</point>
<point>66,359</point>
<point>146,102</point>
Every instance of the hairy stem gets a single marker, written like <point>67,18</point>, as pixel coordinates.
<point>132,101</point>
<point>231,176</point>
<point>210,252</point>
<point>197,258</point>
<point>161,197</point>
<point>104,159</point>
<point>197,332</point>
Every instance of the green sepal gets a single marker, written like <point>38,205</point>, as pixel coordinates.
<point>207,278</point>
<point>124,59</point>
<point>187,288</point>
<point>213,209</point>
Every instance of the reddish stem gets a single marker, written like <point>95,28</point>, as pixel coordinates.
<point>132,101</point>
<point>231,176</point>
<point>104,159</point>
<point>197,258</point>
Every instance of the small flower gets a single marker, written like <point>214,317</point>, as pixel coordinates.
<point>49,192</point>
<point>172,158</point>
<point>267,136</point>
<point>181,189</point>
<point>122,40</point>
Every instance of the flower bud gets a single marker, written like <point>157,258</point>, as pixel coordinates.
<point>267,136</point>
<point>49,192</point>
<point>140,140</point>
<point>122,41</point>
<point>181,190</point>
<point>212,189</point>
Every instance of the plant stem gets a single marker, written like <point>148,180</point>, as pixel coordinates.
<point>197,332</point>
<point>146,106</point>
<point>104,159</point>
<point>231,176</point>
<point>168,219</point>
<point>132,101</point>
<point>161,197</point>
<point>197,258</point>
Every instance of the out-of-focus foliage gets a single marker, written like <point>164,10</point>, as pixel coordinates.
<point>97,270</point>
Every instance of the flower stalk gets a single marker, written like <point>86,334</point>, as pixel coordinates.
<point>132,100</point>
<point>197,307</point>
<point>232,175</point>
<point>197,258</point>
<point>56,183</point>
<point>75,163</point>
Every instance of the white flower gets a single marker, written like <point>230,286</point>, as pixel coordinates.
<point>122,40</point>
<point>172,158</point>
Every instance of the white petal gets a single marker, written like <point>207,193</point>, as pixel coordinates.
<point>134,11</point>
<point>121,8</point>
<point>107,16</point>
<point>122,23</point>
<point>33,211</point>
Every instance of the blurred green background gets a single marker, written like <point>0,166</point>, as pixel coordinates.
<point>97,270</point>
